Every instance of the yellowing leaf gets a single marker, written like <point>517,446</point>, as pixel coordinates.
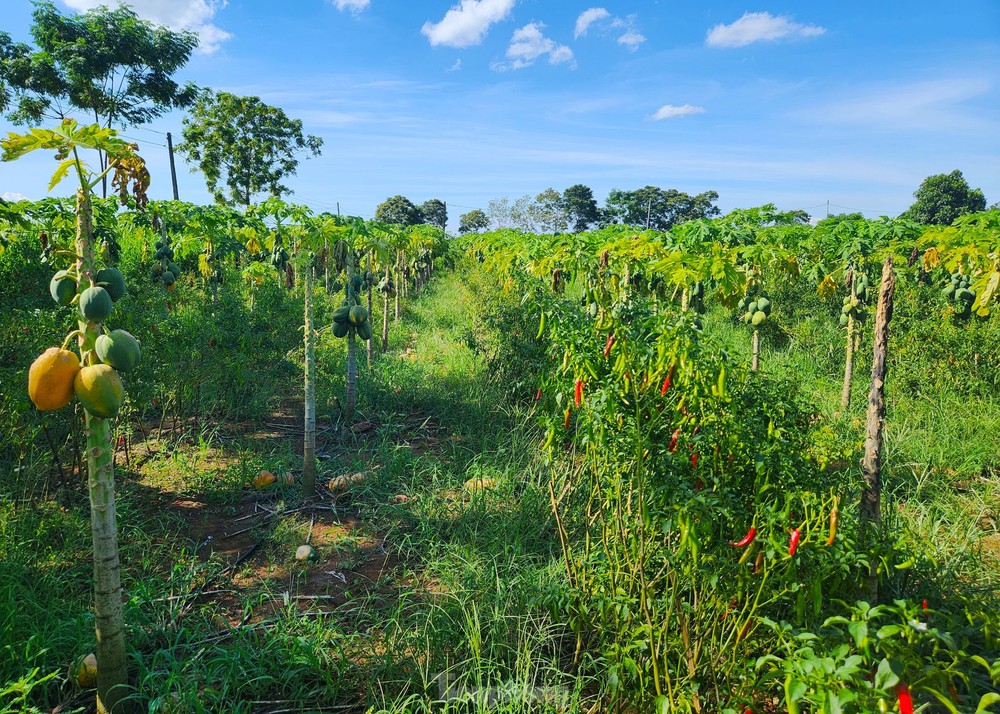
<point>932,259</point>
<point>203,267</point>
<point>253,246</point>
<point>827,288</point>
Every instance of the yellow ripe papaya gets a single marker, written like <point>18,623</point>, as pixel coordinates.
<point>264,479</point>
<point>50,379</point>
<point>83,671</point>
<point>100,390</point>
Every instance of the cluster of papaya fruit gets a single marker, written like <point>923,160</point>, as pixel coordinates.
<point>959,290</point>
<point>756,309</point>
<point>279,256</point>
<point>696,298</point>
<point>351,315</point>
<point>853,307</point>
<point>57,375</point>
<point>165,271</point>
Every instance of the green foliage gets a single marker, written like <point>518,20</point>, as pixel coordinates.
<point>474,221</point>
<point>942,198</point>
<point>581,208</point>
<point>434,212</point>
<point>105,63</point>
<point>657,208</point>
<point>243,146</point>
<point>400,211</point>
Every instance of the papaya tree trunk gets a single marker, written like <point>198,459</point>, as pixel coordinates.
<point>871,464</point>
<point>845,393</point>
<point>309,428</point>
<point>396,291</point>
<point>755,362</point>
<point>112,669</point>
<point>385,309</point>
<point>370,341</point>
<point>351,396</point>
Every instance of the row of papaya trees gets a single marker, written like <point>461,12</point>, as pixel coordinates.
<point>189,256</point>
<point>713,564</point>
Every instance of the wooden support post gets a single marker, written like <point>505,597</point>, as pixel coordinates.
<point>871,464</point>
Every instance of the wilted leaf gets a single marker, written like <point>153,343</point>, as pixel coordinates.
<point>932,259</point>
<point>827,288</point>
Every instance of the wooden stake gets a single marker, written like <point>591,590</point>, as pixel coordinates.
<point>871,464</point>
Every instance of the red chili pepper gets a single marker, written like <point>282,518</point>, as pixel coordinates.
<point>698,485</point>
<point>905,700</point>
<point>694,460</point>
<point>923,604</point>
<point>745,540</point>
<point>666,381</point>
<point>794,542</point>
<point>538,395</point>
<point>673,441</point>
<point>578,393</point>
<point>834,519</point>
<point>608,345</point>
<point>759,561</point>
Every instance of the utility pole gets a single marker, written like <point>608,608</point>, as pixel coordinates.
<point>649,210</point>
<point>173,170</point>
<point>828,208</point>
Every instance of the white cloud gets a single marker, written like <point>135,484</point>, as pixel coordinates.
<point>466,24</point>
<point>456,66</point>
<point>352,5</point>
<point>759,27</point>
<point>588,18</point>
<point>632,40</point>
<point>630,37</point>
<point>192,15</point>
<point>13,196</point>
<point>670,111</point>
<point>528,44</point>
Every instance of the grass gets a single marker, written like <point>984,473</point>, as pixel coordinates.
<point>451,586</point>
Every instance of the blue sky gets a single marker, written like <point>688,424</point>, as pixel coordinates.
<point>795,103</point>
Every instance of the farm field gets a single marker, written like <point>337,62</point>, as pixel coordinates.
<point>601,509</point>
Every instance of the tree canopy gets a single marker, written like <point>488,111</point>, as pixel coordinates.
<point>474,221</point>
<point>108,65</point>
<point>581,208</point>
<point>399,210</point>
<point>434,212</point>
<point>658,208</point>
<point>243,146</point>
<point>944,197</point>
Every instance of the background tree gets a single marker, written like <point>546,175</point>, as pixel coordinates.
<point>475,220</point>
<point>657,208</point>
<point>549,211</point>
<point>243,146</point>
<point>106,65</point>
<point>581,208</point>
<point>435,212</point>
<point>943,198</point>
<point>399,210</point>
<point>499,211</point>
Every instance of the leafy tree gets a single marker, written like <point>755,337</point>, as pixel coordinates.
<point>243,146</point>
<point>549,211</point>
<point>435,212</point>
<point>500,213</point>
<point>581,208</point>
<point>399,210</point>
<point>943,198</point>
<point>475,220</point>
<point>658,208</point>
<point>106,63</point>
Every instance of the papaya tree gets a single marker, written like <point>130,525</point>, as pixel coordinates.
<point>59,375</point>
